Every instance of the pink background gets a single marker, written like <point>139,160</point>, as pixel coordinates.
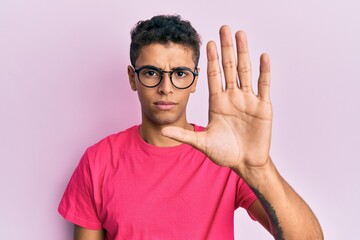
<point>63,86</point>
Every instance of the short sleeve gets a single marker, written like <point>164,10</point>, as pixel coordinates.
<point>77,204</point>
<point>244,196</point>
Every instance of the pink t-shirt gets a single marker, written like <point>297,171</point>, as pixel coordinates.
<point>135,190</point>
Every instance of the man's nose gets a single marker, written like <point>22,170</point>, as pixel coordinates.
<point>165,87</point>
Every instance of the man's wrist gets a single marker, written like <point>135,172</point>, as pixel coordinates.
<point>258,176</point>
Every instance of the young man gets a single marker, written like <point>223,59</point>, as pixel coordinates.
<point>169,179</point>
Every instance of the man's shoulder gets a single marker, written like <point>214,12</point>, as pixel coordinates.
<point>117,140</point>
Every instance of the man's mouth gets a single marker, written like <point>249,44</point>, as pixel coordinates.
<point>165,105</point>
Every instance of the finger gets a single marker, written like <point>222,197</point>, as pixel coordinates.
<point>213,69</point>
<point>244,64</point>
<point>228,58</point>
<point>264,78</point>
<point>192,138</point>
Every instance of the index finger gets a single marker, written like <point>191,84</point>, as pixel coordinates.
<point>213,69</point>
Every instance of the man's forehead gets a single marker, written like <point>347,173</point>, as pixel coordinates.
<point>179,54</point>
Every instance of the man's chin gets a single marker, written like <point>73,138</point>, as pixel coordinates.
<point>165,121</point>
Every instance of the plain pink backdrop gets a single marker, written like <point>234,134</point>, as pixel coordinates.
<point>63,86</point>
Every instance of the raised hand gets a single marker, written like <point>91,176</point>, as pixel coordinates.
<point>238,136</point>
<point>239,129</point>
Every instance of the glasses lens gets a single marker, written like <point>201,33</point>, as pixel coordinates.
<point>149,77</point>
<point>182,78</point>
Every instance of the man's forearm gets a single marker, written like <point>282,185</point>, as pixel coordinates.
<point>290,217</point>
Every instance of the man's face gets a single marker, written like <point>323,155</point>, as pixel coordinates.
<point>163,104</point>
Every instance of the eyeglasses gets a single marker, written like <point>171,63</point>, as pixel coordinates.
<point>181,77</point>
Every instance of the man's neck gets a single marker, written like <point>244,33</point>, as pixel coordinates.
<point>151,134</point>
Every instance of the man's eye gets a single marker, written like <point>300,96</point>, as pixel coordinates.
<point>150,73</point>
<point>181,73</point>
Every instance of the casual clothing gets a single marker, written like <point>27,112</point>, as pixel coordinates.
<point>135,190</point>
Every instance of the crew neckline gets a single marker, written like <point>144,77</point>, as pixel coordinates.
<point>147,147</point>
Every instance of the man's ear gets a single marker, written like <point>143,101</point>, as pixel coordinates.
<point>193,86</point>
<point>131,75</point>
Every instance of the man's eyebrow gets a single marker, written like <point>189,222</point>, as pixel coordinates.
<point>149,66</point>
<point>177,67</point>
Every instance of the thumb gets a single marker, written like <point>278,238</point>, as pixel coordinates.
<point>185,136</point>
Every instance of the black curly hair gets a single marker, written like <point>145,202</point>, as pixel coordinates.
<point>164,29</point>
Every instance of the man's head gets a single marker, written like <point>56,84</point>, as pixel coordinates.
<point>164,55</point>
<point>164,29</point>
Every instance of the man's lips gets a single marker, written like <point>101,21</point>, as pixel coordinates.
<point>164,105</point>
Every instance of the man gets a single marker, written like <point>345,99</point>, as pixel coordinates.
<point>169,179</point>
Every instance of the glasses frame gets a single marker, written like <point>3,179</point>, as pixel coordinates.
<point>194,73</point>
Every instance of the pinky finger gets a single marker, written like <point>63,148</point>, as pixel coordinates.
<point>264,78</point>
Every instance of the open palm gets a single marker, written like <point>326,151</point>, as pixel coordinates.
<point>239,129</point>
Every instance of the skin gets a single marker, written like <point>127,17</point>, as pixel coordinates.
<point>238,134</point>
<point>81,233</point>
<point>168,57</point>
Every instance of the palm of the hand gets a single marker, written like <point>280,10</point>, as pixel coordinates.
<point>239,129</point>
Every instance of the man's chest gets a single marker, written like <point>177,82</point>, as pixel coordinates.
<point>166,198</point>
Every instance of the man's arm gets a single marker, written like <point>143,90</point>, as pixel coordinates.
<point>289,216</point>
<point>81,233</point>
<point>258,212</point>
<point>238,136</point>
